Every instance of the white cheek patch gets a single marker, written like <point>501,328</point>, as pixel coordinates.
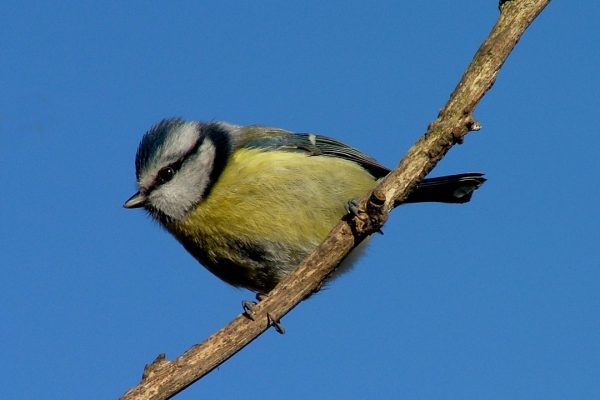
<point>179,196</point>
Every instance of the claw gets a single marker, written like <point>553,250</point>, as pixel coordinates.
<point>275,324</point>
<point>248,306</point>
<point>353,207</point>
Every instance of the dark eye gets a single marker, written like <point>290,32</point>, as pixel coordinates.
<point>165,175</point>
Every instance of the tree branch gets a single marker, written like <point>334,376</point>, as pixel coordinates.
<point>163,379</point>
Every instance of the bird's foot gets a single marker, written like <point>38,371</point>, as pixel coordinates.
<point>275,324</point>
<point>249,307</point>
<point>353,207</point>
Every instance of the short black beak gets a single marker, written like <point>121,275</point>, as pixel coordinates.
<point>136,201</point>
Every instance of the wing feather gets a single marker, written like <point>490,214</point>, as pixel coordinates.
<point>316,145</point>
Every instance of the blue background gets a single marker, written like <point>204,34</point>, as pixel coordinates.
<point>495,299</point>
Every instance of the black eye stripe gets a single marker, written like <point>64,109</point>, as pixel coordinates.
<point>222,146</point>
<point>177,164</point>
<point>165,174</point>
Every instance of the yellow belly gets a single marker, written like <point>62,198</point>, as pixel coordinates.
<point>284,203</point>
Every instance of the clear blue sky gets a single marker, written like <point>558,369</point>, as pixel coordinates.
<point>496,299</point>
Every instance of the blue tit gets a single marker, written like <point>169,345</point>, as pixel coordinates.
<point>251,202</point>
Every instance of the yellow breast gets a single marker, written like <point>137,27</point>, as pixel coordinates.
<point>289,199</point>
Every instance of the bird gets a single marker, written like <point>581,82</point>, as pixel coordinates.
<point>251,202</point>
